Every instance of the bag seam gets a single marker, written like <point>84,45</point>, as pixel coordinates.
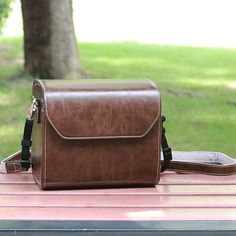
<point>42,151</point>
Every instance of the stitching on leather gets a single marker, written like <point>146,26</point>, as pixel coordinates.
<point>200,164</point>
<point>158,136</point>
<point>84,182</point>
<point>45,152</point>
<point>33,172</point>
<point>96,137</point>
<point>158,130</point>
<point>43,175</point>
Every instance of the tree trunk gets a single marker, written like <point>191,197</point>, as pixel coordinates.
<point>49,39</point>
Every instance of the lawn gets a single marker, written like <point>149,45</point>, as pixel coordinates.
<point>198,87</point>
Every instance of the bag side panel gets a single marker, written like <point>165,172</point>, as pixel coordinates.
<point>37,149</point>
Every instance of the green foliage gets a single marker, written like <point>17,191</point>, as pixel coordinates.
<point>198,88</point>
<point>4,11</point>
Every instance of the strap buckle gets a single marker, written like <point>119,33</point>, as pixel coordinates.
<point>33,109</point>
<point>25,164</point>
<point>167,153</point>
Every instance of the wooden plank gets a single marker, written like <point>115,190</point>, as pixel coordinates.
<point>167,178</point>
<point>8,213</point>
<point>177,197</point>
<point>52,201</point>
<point>171,178</point>
<point>25,178</point>
<point>159,190</point>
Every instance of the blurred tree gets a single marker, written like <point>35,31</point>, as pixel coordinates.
<point>4,11</point>
<point>49,39</point>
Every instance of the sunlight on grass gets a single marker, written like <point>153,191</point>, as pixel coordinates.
<point>4,100</point>
<point>210,82</point>
<point>127,61</point>
<point>232,85</point>
<point>217,71</point>
<point>7,130</point>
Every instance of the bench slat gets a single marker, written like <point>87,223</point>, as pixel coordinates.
<point>159,190</point>
<point>177,197</point>
<point>43,213</point>
<point>117,201</point>
<point>168,178</point>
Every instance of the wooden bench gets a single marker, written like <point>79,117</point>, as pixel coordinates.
<point>180,204</point>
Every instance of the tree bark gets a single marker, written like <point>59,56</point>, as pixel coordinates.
<point>49,39</point>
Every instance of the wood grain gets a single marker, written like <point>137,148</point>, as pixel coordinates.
<point>177,197</point>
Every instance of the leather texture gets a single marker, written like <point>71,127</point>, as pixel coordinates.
<point>101,109</point>
<point>99,133</point>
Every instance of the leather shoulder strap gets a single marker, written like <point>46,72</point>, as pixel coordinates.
<point>21,160</point>
<point>11,164</point>
<point>210,163</point>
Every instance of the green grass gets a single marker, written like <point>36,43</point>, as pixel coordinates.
<point>198,87</point>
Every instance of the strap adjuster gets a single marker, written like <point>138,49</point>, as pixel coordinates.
<point>25,164</point>
<point>167,152</point>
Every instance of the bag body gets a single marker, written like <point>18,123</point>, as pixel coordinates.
<point>96,133</point>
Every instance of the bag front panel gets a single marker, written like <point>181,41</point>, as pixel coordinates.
<point>96,134</point>
<point>101,162</point>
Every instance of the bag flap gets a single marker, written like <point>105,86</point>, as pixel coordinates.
<point>92,109</point>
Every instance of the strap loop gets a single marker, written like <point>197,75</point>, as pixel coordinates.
<point>25,164</point>
<point>26,144</point>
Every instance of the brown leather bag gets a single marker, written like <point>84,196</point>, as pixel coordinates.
<point>100,133</point>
